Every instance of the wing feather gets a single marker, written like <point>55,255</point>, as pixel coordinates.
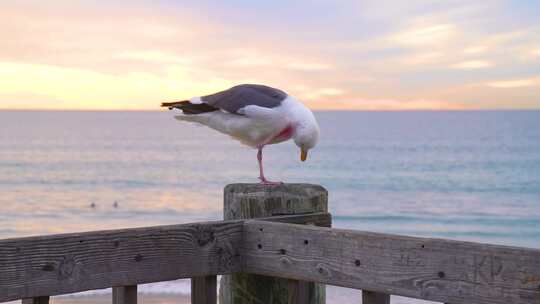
<point>240,96</point>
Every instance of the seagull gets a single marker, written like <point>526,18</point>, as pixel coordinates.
<point>256,115</point>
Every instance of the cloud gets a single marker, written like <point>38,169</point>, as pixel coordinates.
<point>475,50</point>
<point>421,35</point>
<point>472,64</point>
<point>312,94</point>
<point>365,54</point>
<point>269,58</point>
<point>422,58</point>
<point>153,56</point>
<point>309,66</point>
<point>331,91</point>
<point>515,83</point>
<point>74,88</point>
<point>390,105</point>
<point>249,62</point>
<point>245,57</point>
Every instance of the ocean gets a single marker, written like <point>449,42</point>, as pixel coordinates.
<point>471,175</point>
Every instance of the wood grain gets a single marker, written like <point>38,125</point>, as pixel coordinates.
<point>431,269</point>
<point>60,264</point>
<point>248,201</point>
<point>204,290</point>
<point>124,295</point>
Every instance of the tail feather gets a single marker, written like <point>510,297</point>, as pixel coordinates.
<point>189,108</point>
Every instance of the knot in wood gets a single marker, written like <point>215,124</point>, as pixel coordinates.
<point>66,267</point>
<point>285,261</point>
<point>48,267</point>
<point>323,270</point>
<point>431,287</point>
<point>204,235</point>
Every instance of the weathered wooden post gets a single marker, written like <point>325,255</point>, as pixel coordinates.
<point>246,201</point>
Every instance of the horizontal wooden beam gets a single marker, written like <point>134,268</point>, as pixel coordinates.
<point>321,219</point>
<point>430,269</point>
<point>67,263</point>
<point>60,264</point>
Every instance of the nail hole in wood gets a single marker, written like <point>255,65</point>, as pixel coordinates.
<point>423,246</point>
<point>259,246</point>
<point>441,274</point>
<point>357,263</point>
<point>138,257</point>
<point>283,251</point>
<point>306,242</point>
<point>261,230</point>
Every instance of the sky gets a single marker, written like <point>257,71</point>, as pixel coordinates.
<point>346,54</point>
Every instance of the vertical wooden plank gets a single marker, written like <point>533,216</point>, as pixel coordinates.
<point>36,300</point>
<point>371,297</point>
<point>298,292</point>
<point>125,295</point>
<point>204,290</point>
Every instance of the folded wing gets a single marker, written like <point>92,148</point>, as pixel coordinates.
<point>233,100</point>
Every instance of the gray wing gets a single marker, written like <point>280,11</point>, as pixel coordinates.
<point>243,95</point>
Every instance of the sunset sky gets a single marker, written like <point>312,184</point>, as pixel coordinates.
<point>374,55</point>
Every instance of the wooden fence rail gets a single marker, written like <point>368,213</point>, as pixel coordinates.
<point>60,264</point>
<point>431,269</point>
<point>35,268</point>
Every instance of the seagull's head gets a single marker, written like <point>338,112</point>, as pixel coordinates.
<point>306,135</point>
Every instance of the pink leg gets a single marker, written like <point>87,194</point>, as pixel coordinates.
<point>263,179</point>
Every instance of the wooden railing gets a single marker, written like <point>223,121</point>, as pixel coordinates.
<point>431,269</point>
<point>32,269</point>
<point>259,242</point>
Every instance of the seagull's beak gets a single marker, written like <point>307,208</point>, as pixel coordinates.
<point>303,155</point>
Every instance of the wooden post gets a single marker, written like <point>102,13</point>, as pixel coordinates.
<point>298,292</point>
<point>125,295</point>
<point>371,297</point>
<point>248,201</point>
<point>203,290</point>
<point>36,300</point>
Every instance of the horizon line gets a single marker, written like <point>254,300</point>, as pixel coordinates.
<point>314,110</point>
